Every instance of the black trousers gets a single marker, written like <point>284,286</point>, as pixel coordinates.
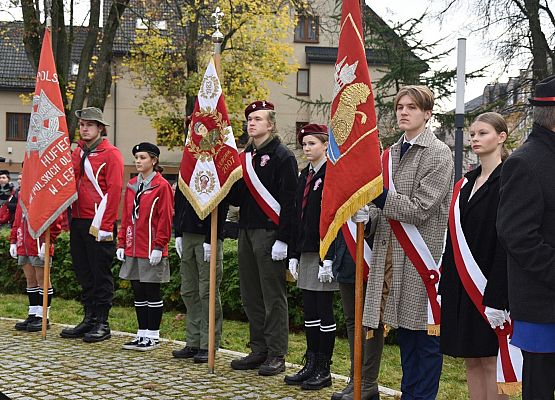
<point>92,262</point>
<point>538,376</point>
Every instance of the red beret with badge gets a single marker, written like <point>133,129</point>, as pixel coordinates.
<point>257,106</point>
<point>311,129</point>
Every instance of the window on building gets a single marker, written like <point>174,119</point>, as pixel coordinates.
<point>303,78</point>
<point>17,125</point>
<point>298,126</point>
<point>307,29</point>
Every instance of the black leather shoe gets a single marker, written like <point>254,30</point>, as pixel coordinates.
<point>185,352</point>
<point>201,357</point>
<point>36,325</point>
<point>321,377</point>
<point>368,392</point>
<point>250,361</point>
<point>99,332</point>
<point>83,327</point>
<point>305,373</point>
<point>347,390</point>
<point>272,366</point>
<point>22,325</point>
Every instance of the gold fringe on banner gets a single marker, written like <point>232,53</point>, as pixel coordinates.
<point>509,388</point>
<point>289,277</point>
<point>360,198</point>
<point>433,330</point>
<point>386,329</point>
<point>369,334</point>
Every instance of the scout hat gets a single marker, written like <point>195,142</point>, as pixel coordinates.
<point>310,129</point>
<point>544,93</point>
<point>147,147</point>
<point>91,114</point>
<point>258,105</point>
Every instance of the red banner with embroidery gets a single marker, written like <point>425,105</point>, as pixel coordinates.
<point>418,253</point>
<point>509,358</point>
<point>48,182</point>
<point>210,163</point>
<point>353,172</point>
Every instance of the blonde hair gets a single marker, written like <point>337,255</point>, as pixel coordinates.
<point>422,96</point>
<point>499,124</point>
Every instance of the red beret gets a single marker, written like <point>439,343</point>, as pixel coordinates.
<point>258,105</point>
<point>310,129</point>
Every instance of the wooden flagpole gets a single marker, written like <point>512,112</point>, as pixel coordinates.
<point>217,39</point>
<point>357,373</point>
<point>46,280</point>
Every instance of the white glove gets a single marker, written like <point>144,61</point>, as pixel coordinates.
<point>104,236</point>
<point>325,273</point>
<point>13,250</point>
<point>293,264</point>
<point>41,252</point>
<point>207,248</point>
<point>495,317</point>
<point>155,257</point>
<point>120,254</point>
<point>362,215</point>
<point>179,246</point>
<point>279,251</point>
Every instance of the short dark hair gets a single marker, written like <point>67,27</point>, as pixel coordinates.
<point>545,116</point>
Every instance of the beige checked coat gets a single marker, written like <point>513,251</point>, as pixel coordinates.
<point>424,182</point>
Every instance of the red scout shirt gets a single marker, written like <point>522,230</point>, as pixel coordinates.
<point>107,165</point>
<point>26,245</point>
<point>153,228</point>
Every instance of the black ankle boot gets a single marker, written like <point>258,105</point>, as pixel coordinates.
<point>306,372</point>
<point>101,329</point>
<point>321,377</point>
<point>83,327</point>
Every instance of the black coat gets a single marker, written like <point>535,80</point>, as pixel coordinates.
<point>464,332</point>
<point>276,167</point>
<point>186,220</point>
<point>526,224</point>
<point>307,232</point>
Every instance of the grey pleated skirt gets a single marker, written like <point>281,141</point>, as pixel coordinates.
<point>139,269</point>
<point>308,274</point>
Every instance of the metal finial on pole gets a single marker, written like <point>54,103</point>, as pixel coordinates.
<point>217,36</point>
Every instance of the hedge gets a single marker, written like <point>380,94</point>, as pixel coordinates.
<point>65,285</point>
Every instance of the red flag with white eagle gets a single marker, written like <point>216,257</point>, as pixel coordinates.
<point>48,182</point>
<point>210,163</point>
<point>353,174</point>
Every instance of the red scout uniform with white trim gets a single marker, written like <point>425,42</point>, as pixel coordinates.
<point>155,219</point>
<point>26,245</point>
<point>107,165</point>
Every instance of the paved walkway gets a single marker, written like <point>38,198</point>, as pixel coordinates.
<point>56,368</point>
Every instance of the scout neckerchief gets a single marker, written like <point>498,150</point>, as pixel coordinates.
<point>418,253</point>
<point>260,194</point>
<point>509,357</point>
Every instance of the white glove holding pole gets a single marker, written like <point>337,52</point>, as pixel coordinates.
<point>495,317</point>
<point>362,215</point>
<point>325,273</point>
<point>179,246</point>
<point>155,257</point>
<point>41,252</point>
<point>293,265</point>
<point>207,250</point>
<point>13,250</point>
<point>279,250</point>
<point>120,254</point>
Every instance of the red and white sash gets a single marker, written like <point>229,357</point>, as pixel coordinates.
<point>418,253</point>
<point>509,358</point>
<point>261,195</point>
<point>349,230</point>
